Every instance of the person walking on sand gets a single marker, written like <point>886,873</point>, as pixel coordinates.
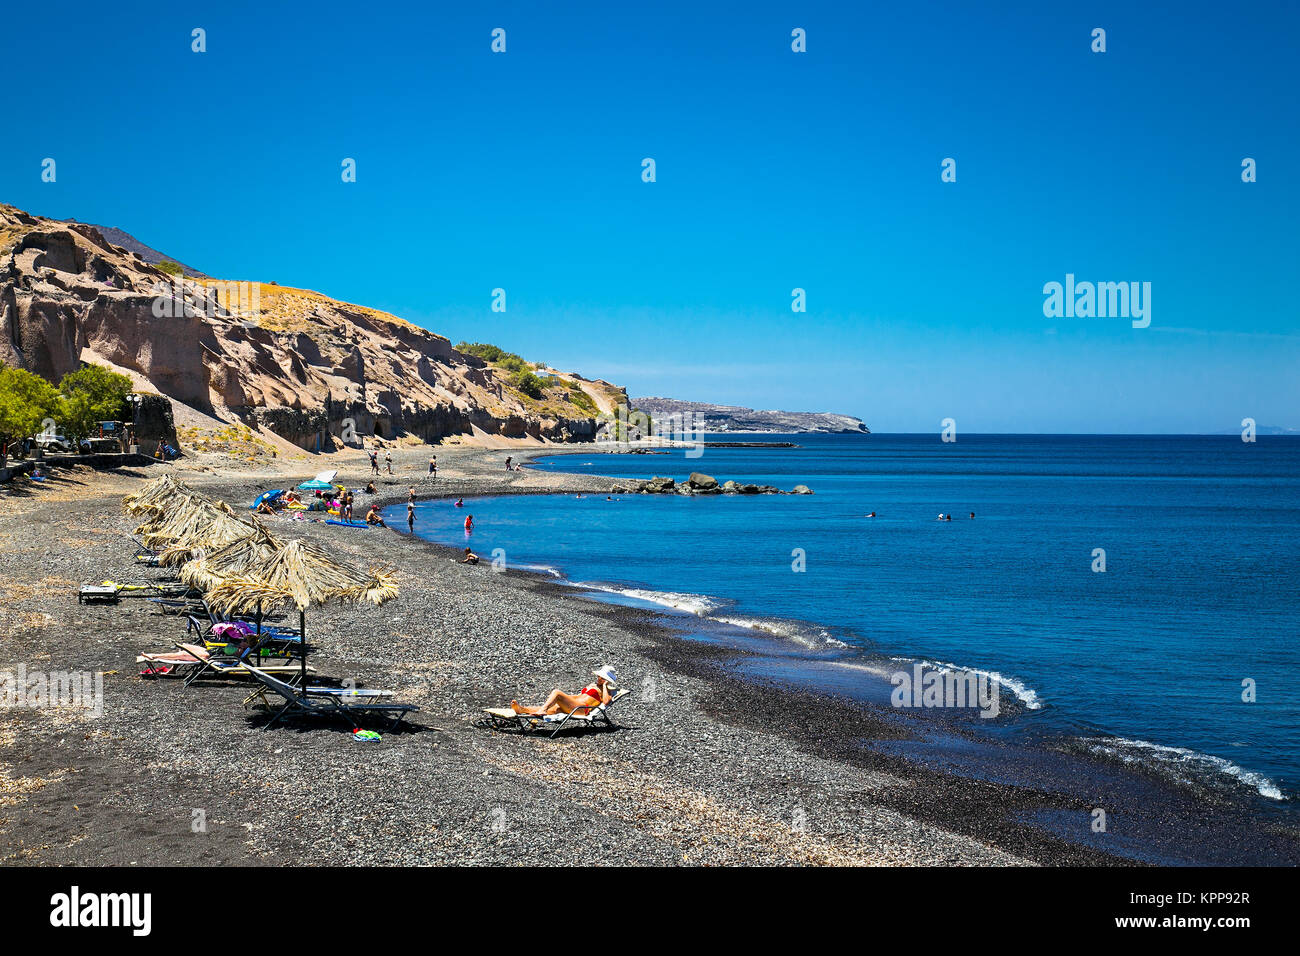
<point>410,516</point>
<point>388,460</point>
<point>508,460</point>
<point>374,461</point>
<point>433,466</point>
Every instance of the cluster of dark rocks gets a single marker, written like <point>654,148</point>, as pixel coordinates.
<point>701,484</point>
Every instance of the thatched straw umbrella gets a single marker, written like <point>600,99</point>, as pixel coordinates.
<point>222,530</point>
<point>194,522</point>
<point>158,495</point>
<point>210,567</point>
<point>301,575</point>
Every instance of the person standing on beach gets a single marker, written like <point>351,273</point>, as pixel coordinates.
<point>433,466</point>
<point>508,459</point>
<point>411,497</point>
<point>374,461</point>
<point>388,460</point>
<point>410,516</point>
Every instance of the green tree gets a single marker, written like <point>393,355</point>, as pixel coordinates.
<point>92,394</point>
<point>26,400</point>
<point>528,383</point>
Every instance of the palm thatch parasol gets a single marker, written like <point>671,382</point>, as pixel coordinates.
<point>182,517</point>
<point>210,567</point>
<point>158,495</point>
<point>192,525</point>
<point>301,575</point>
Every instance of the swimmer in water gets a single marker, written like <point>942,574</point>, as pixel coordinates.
<point>872,515</point>
<point>460,502</point>
<point>469,523</point>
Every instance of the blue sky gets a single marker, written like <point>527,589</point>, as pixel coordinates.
<point>775,170</point>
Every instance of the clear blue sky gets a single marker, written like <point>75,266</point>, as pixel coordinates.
<point>775,170</point>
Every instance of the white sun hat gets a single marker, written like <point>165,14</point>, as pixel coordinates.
<point>606,672</point>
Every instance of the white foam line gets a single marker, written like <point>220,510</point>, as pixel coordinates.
<point>1024,693</point>
<point>793,632</point>
<point>1173,757</point>
<point>696,604</point>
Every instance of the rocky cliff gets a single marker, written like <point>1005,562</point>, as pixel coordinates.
<point>733,418</point>
<point>296,362</point>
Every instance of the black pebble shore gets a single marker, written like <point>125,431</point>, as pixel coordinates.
<point>705,769</point>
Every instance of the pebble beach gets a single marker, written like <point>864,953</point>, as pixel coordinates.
<point>704,769</point>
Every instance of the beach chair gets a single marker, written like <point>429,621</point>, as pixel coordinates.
<point>258,696</point>
<point>348,706</point>
<point>503,718</point>
<point>228,666</point>
<point>275,641</point>
<point>145,556</point>
<point>97,594</point>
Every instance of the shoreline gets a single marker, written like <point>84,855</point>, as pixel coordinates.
<point>711,768</point>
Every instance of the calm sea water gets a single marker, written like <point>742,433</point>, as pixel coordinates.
<point>1144,661</point>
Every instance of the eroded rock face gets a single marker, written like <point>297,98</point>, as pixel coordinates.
<point>300,363</point>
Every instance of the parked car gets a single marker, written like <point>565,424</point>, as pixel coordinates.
<point>52,441</point>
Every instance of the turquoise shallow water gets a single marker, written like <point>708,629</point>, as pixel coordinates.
<point>1144,662</point>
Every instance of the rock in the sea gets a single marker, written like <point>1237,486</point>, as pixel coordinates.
<point>749,489</point>
<point>660,486</point>
<point>801,490</point>
<point>730,488</point>
<point>702,482</point>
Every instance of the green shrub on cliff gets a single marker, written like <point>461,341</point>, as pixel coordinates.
<point>582,399</point>
<point>495,356</point>
<point>528,383</point>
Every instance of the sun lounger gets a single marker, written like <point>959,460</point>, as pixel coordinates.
<point>96,594</point>
<point>503,718</point>
<point>350,707</point>
<point>258,696</point>
<point>228,666</point>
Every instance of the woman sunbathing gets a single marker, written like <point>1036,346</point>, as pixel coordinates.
<point>561,703</point>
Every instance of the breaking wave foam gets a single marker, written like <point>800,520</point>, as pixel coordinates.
<point>808,635</point>
<point>697,604</point>
<point>1022,691</point>
<point>1186,765</point>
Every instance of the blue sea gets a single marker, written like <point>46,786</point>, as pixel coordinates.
<point>1147,661</point>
